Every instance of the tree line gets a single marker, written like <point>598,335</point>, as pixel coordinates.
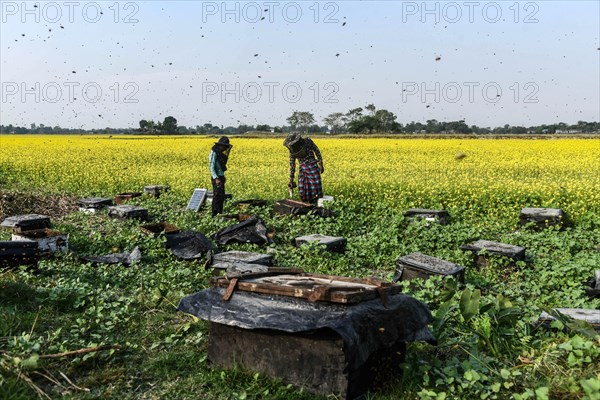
<point>359,120</point>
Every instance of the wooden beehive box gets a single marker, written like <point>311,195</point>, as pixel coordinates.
<point>331,243</point>
<point>422,266</point>
<point>483,249</point>
<point>48,240</point>
<point>156,190</point>
<point>438,216</point>
<point>542,217</point>
<point>292,207</point>
<point>27,222</point>
<point>127,212</point>
<point>157,228</point>
<point>123,197</point>
<point>332,349</point>
<point>313,360</point>
<point>243,256</point>
<point>18,252</point>
<point>94,204</point>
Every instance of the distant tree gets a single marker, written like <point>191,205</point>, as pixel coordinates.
<point>386,121</point>
<point>169,125</point>
<point>301,120</point>
<point>354,114</point>
<point>263,128</point>
<point>335,121</point>
<point>371,108</point>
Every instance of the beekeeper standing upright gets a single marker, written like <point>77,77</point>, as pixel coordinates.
<point>217,163</point>
<point>310,168</point>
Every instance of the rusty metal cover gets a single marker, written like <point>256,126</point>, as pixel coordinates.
<point>158,228</point>
<point>121,197</point>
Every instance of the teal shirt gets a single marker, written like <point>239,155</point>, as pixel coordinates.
<point>215,169</point>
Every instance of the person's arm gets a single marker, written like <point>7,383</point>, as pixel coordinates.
<point>212,165</point>
<point>292,170</point>
<point>317,152</point>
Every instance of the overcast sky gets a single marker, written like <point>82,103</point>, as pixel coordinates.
<point>109,64</point>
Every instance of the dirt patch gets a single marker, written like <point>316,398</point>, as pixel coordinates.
<point>53,206</point>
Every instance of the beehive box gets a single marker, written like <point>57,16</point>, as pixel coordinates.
<point>482,249</point>
<point>590,316</point>
<point>156,190</point>
<point>18,252</point>
<point>94,204</point>
<point>243,256</point>
<point>439,216</point>
<point>48,240</point>
<point>542,217</point>
<point>158,228</point>
<point>323,200</point>
<point>422,266</point>
<point>27,222</point>
<point>329,349</point>
<point>291,207</point>
<point>127,212</point>
<point>332,243</point>
<point>123,197</point>
<point>315,360</point>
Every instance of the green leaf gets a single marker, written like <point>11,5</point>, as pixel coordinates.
<point>591,387</point>
<point>469,303</point>
<point>541,393</point>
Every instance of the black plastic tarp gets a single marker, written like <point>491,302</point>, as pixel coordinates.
<point>188,245</point>
<point>252,230</point>
<point>364,327</point>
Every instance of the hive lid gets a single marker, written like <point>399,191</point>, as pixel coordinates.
<point>317,237</point>
<point>27,221</point>
<point>550,212</point>
<point>429,263</point>
<point>95,202</point>
<point>247,257</point>
<point>495,248</point>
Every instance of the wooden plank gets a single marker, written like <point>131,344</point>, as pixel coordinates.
<point>325,290</point>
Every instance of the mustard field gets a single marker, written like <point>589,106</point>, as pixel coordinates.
<point>462,174</point>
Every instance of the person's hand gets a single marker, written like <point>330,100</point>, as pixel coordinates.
<point>321,168</point>
<point>218,182</point>
<point>291,185</point>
